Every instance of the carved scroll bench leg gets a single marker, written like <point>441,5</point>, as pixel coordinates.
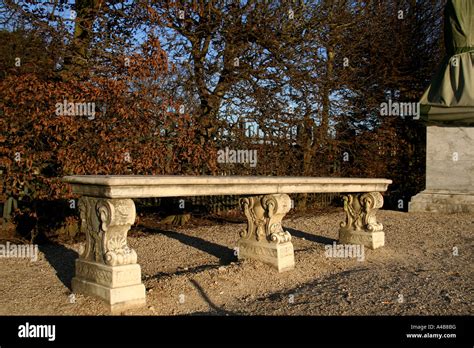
<point>361,226</point>
<point>264,238</point>
<point>107,267</point>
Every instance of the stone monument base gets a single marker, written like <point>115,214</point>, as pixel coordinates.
<point>442,202</point>
<point>449,171</point>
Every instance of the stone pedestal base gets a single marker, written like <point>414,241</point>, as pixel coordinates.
<point>119,286</point>
<point>280,256</point>
<point>107,267</point>
<point>372,240</point>
<point>264,238</point>
<point>442,202</point>
<point>361,226</point>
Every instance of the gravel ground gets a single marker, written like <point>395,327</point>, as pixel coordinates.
<point>193,270</point>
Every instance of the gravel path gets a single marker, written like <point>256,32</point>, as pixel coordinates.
<point>193,270</point>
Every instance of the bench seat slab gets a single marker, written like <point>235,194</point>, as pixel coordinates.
<point>264,238</point>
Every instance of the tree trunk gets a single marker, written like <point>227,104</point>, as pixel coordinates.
<point>75,60</point>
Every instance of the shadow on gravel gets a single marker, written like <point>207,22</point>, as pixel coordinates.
<point>318,296</point>
<point>62,260</point>
<point>192,270</point>
<point>215,309</point>
<point>310,237</point>
<point>224,254</point>
<point>226,220</point>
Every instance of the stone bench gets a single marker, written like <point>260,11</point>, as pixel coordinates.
<point>107,267</point>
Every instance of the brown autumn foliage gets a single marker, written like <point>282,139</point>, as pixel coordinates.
<point>131,127</point>
<point>127,124</point>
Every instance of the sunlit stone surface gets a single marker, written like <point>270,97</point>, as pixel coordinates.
<point>449,171</point>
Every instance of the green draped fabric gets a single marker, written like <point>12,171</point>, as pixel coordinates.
<point>450,97</point>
